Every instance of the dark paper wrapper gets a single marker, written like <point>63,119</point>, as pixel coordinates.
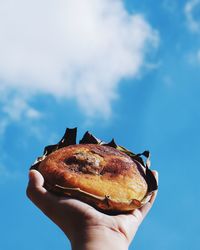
<point>69,138</point>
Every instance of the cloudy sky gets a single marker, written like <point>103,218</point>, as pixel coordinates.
<point>123,69</point>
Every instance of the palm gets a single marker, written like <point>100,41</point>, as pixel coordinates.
<point>123,223</point>
<point>70,213</point>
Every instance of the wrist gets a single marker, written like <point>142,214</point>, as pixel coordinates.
<point>99,238</point>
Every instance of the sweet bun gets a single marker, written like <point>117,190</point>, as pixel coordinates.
<point>106,176</point>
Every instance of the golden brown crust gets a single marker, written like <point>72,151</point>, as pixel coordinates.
<point>100,175</point>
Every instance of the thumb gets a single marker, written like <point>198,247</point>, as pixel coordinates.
<point>35,179</point>
<point>35,189</point>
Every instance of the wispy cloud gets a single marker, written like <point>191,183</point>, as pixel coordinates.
<point>18,108</point>
<point>192,10</point>
<point>194,57</point>
<point>69,49</point>
<point>14,107</point>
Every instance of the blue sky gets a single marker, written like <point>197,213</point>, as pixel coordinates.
<point>135,77</point>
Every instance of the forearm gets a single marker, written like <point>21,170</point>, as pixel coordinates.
<point>104,239</point>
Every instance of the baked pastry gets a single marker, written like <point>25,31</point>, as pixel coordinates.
<point>104,175</point>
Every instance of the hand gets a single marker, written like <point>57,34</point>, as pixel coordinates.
<point>86,227</point>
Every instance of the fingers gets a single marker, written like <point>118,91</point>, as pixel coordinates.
<point>141,213</point>
<point>146,208</point>
<point>35,185</point>
<point>36,192</point>
<point>36,181</point>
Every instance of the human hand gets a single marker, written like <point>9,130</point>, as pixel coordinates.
<point>86,227</point>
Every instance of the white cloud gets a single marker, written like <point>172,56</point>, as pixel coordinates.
<point>18,108</point>
<point>69,49</point>
<point>192,12</point>
<point>14,107</point>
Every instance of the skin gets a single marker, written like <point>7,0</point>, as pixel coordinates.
<point>87,228</point>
